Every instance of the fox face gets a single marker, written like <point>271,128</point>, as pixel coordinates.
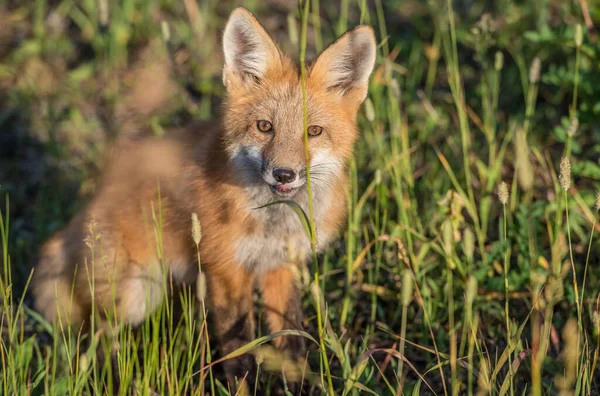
<point>264,117</point>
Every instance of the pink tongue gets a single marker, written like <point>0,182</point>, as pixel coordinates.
<point>282,187</point>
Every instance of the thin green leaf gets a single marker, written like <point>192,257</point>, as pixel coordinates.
<point>302,216</point>
<point>258,342</point>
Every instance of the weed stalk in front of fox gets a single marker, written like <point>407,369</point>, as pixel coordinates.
<point>313,234</point>
<point>201,289</point>
<point>587,257</point>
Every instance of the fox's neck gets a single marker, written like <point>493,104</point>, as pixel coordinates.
<point>222,173</point>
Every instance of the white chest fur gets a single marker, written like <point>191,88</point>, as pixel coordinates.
<point>282,238</point>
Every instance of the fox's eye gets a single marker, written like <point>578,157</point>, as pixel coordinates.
<point>264,126</point>
<point>315,130</point>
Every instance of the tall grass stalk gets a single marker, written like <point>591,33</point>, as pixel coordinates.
<point>587,257</point>
<point>472,323</point>
<point>575,286</point>
<point>401,170</point>
<point>201,293</point>
<point>459,99</point>
<point>532,92</point>
<point>351,241</point>
<point>503,196</point>
<point>565,181</point>
<point>451,329</point>
<point>450,47</point>
<point>407,283</point>
<point>7,355</point>
<point>574,121</point>
<point>421,303</point>
<point>313,234</point>
<point>316,22</point>
<point>343,21</point>
<point>578,43</point>
<point>92,242</point>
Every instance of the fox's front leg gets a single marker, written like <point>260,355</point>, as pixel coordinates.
<point>230,298</point>
<point>283,309</point>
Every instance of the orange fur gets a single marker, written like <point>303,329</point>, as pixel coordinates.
<point>115,264</point>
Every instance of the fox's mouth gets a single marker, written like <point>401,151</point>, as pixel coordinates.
<point>284,190</point>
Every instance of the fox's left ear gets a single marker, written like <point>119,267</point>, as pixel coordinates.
<point>347,63</point>
<point>249,50</point>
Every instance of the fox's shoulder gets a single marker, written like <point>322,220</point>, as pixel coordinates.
<point>175,146</point>
<point>195,134</point>
<point>178,156</point>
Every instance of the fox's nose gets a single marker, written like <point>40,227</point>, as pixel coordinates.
<point>284,175</point>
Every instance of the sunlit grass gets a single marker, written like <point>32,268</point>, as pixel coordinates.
<point>433,286</point>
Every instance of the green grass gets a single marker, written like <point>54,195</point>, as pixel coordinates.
<point>435,285</point>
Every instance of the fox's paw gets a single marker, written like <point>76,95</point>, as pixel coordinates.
<point>241,373</point>
<point>294,347</point>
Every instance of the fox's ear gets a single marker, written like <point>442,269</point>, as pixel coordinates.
<point>347,63</point>
<point>249,50</point>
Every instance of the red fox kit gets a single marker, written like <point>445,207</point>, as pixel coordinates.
<point>222,172</point>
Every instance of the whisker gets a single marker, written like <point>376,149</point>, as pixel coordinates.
<point>320,183</point>
<point>321,173</point>
<point>325,165</point>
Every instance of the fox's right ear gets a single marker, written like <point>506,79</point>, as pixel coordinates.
<point>345,66</point>
<point>249,50</point>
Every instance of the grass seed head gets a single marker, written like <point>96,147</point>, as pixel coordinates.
<point>447,236</point>
<point>471,291</point>
<point>499,61</point>
<point>395,86</point>
<point>469,243</point>
<point>554,290</point>
<point>578,35</point>
<point>570,356</point>
<point>534,71</point>
<point>573,126</point>
<point>259,357</point>
<point>273,360</point>
<point>483,380</point>
<point>378,177</point>
<point>503,193</point>
<point>196,229</point>
<point>292,28</point>
<point>84,363</point>
<point>525,172</point>
<point>565,173</point>
<point>597,202</point>
<point>104,12</point>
